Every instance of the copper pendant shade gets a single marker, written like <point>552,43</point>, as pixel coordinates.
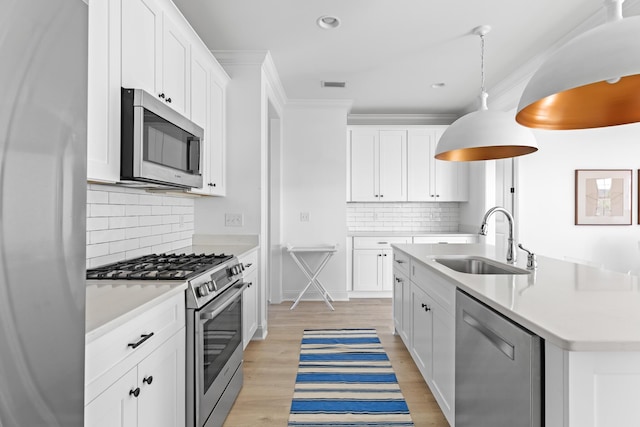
<point>592,81</point>
<point>484,134</point>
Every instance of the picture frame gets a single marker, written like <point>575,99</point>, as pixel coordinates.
<point>603,196</point>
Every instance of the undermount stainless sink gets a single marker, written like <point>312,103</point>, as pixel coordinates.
<point>478,265</point>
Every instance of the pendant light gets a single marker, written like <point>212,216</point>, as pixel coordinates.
<point>592,81</point>
<point>484,134</point>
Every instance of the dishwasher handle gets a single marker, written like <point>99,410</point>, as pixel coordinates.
<point>490,335</point>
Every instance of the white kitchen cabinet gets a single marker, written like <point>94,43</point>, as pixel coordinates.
<point>155,53</point>
<point>115,407</point>
<point>402,306</point>
<point>372,263</point>
<point>433,346</point>
<point>422,330</point>
<point>250,297</point>
<point>143,384</point>
<point>208,102</point>
<point>159,383</point>
<point>371,269</point>
<point>147,44</point>
<point>378,164</point>
<point>431,180</point>
<point>103,100</point>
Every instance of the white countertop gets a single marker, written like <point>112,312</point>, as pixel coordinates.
<point>109,303</point>
<point>574,306</point>
<point>406,234</point>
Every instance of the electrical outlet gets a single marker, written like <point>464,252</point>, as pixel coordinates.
<point>304,216</point>
<point>233,220</point>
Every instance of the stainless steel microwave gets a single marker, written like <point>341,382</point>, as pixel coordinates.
<point>159,146</point>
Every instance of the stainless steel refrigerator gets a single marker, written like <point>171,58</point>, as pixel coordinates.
<point>43,113</point>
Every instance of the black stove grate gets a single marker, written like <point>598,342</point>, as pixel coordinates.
<point>159,267</point>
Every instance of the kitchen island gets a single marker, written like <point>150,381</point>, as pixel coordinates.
<point>589,319</point>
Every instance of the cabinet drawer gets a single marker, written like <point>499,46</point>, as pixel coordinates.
<point>444,239</point>
<point>378,242</point>
<point>250,261</point>
<point>116,346</point>
<point>442,292</point>
<point>401,262</point>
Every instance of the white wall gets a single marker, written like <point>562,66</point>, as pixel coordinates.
<point>314,181</point>
<point>546,201</point>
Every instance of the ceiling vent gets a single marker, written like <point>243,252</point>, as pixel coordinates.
<point>333,84</point>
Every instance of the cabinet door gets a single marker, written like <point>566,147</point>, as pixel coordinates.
<point>419,165</point>
<point>444,358</point>
<point>142,45</point>
<point>367,270</point>
<point>422,331</point>
<point>175,67</point>
<point>398,284</point>
<point>386,276</point>
<point>393,166</point>
<point>217,146</point>
<point>450,178</point>
<point>250,308</point>
<point>407,315</point>
<point>161,378</point>
<point>364,168</point>
<point>103,118</point>
<point>115,407</point>
<point>200,111</point>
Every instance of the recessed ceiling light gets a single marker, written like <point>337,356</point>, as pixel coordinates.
<point>438,85</point>
<point>328,22</point>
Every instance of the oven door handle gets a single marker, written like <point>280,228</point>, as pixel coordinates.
<point>238,289</point>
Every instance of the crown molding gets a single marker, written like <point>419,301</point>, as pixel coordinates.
<point>401,119</point>
<point>506,94</point>
<point>272,78</point>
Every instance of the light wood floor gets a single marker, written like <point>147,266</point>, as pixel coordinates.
<point>270,366</point>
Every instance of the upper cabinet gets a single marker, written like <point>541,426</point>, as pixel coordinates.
<point>155,53</point>
<point>149,45</point>
<point>398,165</point>
<point>378,164</point>
<point>431,180</point>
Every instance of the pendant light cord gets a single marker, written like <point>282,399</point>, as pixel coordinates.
<point>482,62</point>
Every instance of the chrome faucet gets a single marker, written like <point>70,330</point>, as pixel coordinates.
<point>511,250</point>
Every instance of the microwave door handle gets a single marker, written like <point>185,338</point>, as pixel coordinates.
<point>193,146</point>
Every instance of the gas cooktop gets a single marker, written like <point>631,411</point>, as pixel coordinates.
<point>159,267</point>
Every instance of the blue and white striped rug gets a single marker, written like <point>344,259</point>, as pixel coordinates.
<point>345,379</point>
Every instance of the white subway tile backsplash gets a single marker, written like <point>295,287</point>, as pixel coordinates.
<point>124,223</point>
<point>413,217</point>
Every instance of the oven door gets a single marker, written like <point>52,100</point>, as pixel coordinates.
<point>218,348</point>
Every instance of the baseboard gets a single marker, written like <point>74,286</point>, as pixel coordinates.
<point>371,294</point>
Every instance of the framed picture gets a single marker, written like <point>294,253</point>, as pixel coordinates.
<point>603,197</point>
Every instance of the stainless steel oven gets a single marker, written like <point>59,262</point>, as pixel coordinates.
<point>217,356</point>
<point>214,324</point>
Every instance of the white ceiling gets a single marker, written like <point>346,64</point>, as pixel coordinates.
<point>389,52</point>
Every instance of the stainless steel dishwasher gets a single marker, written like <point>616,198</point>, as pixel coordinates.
<point>498,369</point>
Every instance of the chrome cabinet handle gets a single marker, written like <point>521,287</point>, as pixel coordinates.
<point>493,338</point>
<point>137,344</point>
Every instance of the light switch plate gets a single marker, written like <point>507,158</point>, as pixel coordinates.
<point>233,220</point>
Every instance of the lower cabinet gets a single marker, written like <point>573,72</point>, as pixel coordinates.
<point>148,394</point>
<point>135,374</point>
<point>371,270</point>
<point>250,297</point>
<point>424,317</point>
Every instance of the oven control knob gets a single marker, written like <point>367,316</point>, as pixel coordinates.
<point>203,290</point>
